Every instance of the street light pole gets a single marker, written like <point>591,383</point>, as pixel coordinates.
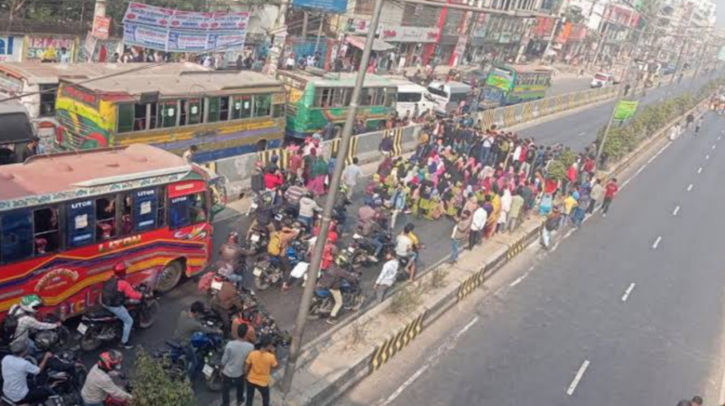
<point>314,268</point>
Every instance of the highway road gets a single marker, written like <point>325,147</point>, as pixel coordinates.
<point>283,306</point>
<point>567,83</point>
<point>628,310</point>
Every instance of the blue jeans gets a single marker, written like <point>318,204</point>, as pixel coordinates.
<point>307,221</point>
<point>454,253</point>
<point>122,315</point>
<point>192,362</point>
<point>378,246</point>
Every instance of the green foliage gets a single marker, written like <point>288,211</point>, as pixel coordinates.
<point>557,168</point>
<point>153,386</point>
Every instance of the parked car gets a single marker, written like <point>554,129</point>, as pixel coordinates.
<point>602,80</point>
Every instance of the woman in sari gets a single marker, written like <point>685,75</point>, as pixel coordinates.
<point>318,173</point>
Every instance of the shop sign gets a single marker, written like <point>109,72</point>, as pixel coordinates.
<point>37,46</point>
<point>11,48</point>
<point>409,34</point>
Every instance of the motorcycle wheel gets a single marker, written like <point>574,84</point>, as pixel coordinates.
<point>89,341</point>
<point>314,313</point>
<point>214,382</point>
<point>359,260</point>
<point>261,283</point>
<point>147,317</point>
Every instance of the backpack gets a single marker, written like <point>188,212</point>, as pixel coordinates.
<point>110,296</point>
<point>552,223</point>
<point>274,247</point>
<point>8,327</point>
<point>257,181</point>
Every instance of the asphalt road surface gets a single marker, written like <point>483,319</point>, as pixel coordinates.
<point>434,234</point>
<point>628,310</point>
<point>580,129</point>
<point>568,84</point>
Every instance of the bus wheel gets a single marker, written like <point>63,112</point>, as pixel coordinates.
<point>170,277</point>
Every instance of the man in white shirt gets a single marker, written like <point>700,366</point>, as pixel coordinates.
<point>15,371</point>
<point>350,176</point>
<point>478,223</point>
<point>387,277</point>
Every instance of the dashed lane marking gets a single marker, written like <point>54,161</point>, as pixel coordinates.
<point>677,210</point>
<point>628,292</point>
<point>689,187</point>
<point>577,378</point>
<point>517,281</point>
<point>699,170</point>
<point>657,243</point>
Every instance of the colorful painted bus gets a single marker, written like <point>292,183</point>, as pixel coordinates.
<point>174,106</point>
<point>513,84</point>
<point>66,219</point>
<point>315,98</point>
<point>38,82</point>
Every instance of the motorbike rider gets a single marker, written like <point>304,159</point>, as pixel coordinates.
<point>308,208</point>
<point>99,384</point>
<point>226,302</point>
<point>113,296</point>
<point>332,280</point>
<point>15,371</point>
<point>25,312</point>
<point>264,216</point>
<point>235,256</point>
<point>187,324</point>
<point>278,243</point>
<point>367,214</point>
<point>405,248</point>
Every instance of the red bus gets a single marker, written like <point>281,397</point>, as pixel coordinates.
<point>66,219</point>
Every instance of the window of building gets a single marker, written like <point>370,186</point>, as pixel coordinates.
<point>187,210</point>
<point>16,236</point>
<point>47,100</point>
<point>46,233</point>
<point>105,218</point>
<point>81,223</point>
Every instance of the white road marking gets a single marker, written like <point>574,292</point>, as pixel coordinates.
<point>713,146</point>
<point>531,268</point>
<point>657,243</point>
<point>689,187</point>
<point>569,233</point>
<point>640,170</point>
<point>582,133</point>
<point>699,170</point>
<point>517,281</point>
<point>627,292</point>
<point>432,360</point>
<point>577,378</point>
<point>707,157</point>
<point>677,210</point>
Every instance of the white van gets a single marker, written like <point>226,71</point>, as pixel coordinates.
<point>447,95</point>
<point>410,94</point>
<point>602,79</point>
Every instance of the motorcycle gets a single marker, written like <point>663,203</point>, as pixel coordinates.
<point>101,325</point>
<point>269,271</point>
<point>322,301</point>
<point>362,249</point>
<point>258,240</point>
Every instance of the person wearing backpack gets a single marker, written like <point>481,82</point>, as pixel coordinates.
<point>550,226</point>
<point>113,296</point>
<point>21,321</point>
<point>277,247</point>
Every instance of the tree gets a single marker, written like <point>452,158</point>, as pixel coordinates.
<point>153,386</point>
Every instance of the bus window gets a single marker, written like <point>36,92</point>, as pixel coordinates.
<point>195,111</point>
<point>187,210</point>
<point>241,107</point>
<point>390,96</point>
<point>126,218</point>
<point>168,114</point>
<point>278,110</point>
<point>139,117</point>
<point>366,97</point>
<point>213,106</point>
<point>47,100</point>
<point>262,105</point>
<point>146,210</point>
<point>152,110</point>
<point>81,223</point>
<point>16,236</point>
<point>46,235</point>
<point>105,218</point>
<point>338,97</point>
<point>125,118</point>
<point>224,108</point>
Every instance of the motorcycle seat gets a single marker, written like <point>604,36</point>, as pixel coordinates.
<point>322,292</point>
<point>100,313</point>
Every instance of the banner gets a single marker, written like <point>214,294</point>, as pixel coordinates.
<point>139,13</point>
<point>625,109</point>
<point>101,27</point>
<point>328,6</point>
<point>169,30</point>
<point>50,47</point>
<point>11,48</point>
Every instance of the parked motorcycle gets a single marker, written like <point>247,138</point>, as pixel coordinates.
<point>322,301</point>
<point>258,240</point>
<point>101,325</point>
<point>269,271</point>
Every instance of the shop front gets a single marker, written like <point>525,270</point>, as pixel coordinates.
<point>410,42</point>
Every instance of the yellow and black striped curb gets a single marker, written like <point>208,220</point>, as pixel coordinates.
<point>351,150</point>
<point>266,156</point>
<point>393,345</point>
<point>397,135</point>
<point>470,284</point>
<point>516,248</point>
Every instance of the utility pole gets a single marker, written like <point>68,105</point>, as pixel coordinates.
<point>620,93</point>
<point>280,36</point>
<point>603,35</point>
<point>319,32</point>
<point>305,20</point>
<point>679,57</point>
<point>314,268</point>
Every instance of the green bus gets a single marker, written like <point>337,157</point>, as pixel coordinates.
<point>315,97</point>
<point>511,84</point>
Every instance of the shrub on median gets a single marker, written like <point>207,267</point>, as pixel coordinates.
<point>153,386</point>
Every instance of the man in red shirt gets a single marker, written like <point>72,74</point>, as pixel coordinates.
<point>610,191</point>
<point>273,180</point>
<point>113,296</point>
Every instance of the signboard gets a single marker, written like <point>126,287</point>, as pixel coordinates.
<point>101,27</point>
<point>11,48</point>
<point>139,13</point>
<point>328,6</point>
<point>90,45</point>
<point>625,109</point>
<point>50,46</point>
<point>409,34</point>
<point>171,30</point>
